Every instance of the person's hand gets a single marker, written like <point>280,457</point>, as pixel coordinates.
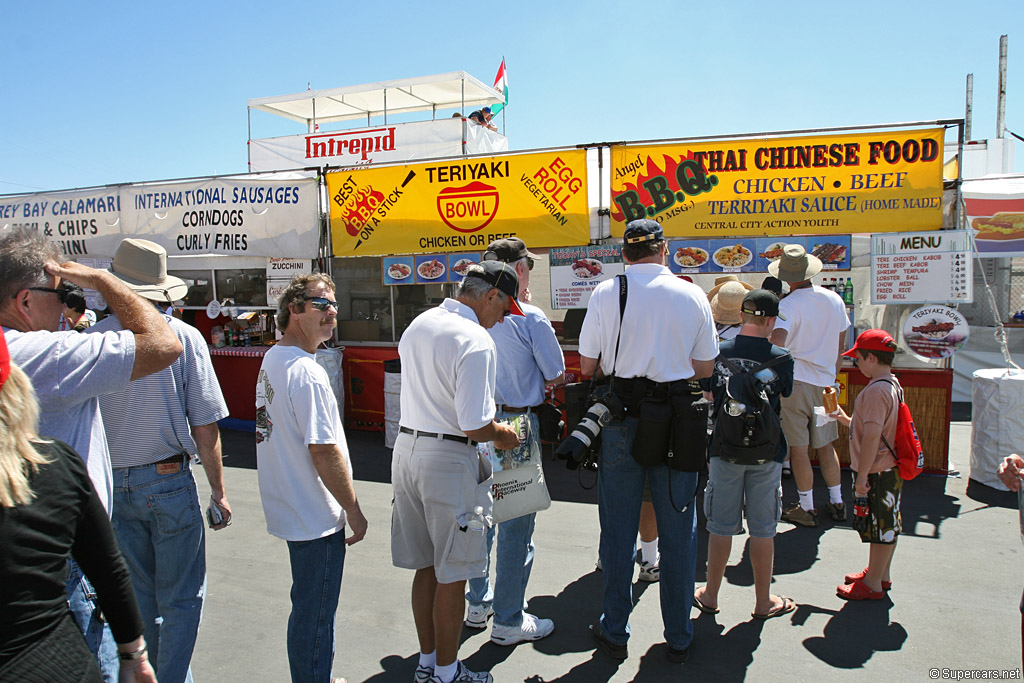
<point>140,672</point>
<point>861,488</point>
<point>841,417</point>
<point>356,523</point>
<point>1011,471</point>
<point>505,438</point>
<point>221,501</point>
<point>76,273</point>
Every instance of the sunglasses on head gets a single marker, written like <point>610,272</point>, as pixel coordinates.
<point>320,303</point>
<point>61,291</point>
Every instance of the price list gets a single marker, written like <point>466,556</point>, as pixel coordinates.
<point>922,267</point>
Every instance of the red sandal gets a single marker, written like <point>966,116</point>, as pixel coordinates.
<point>858,590</point>
<point>859,576</point>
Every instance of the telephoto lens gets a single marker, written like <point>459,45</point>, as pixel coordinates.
<point>575,447</point>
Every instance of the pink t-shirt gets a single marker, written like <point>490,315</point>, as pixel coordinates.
<point>877,403</point>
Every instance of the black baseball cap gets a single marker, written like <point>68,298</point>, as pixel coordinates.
<point>502,277</point>
<point>761,302</point>
<point>642,230</point>
<point>772,284</point>
<point>508,250</point>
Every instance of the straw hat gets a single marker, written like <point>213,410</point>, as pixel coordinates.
<point>142,265</point>
<point>796,265</point>
<point>719,281</point>
<point>727,302</point>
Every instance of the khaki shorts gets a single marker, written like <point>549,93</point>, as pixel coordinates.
<point>798,421</point>
<point>437,485</point>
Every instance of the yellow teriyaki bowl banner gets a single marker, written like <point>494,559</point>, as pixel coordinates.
<point>887,181</point>
<point>460,204</point>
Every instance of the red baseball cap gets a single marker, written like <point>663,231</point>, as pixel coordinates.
<point>873,340</point>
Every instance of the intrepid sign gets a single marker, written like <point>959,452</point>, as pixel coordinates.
<point>361,143</point>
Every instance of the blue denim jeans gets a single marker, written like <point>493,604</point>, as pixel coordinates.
<point>513,564</point>
<point>85,609</point>
<point>620,490</point>
<point>159,527</point>
<point>316,585</point>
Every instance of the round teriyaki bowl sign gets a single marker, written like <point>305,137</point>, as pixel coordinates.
<point>935,332</point>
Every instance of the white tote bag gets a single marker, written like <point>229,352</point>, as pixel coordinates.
<point>518,486</point>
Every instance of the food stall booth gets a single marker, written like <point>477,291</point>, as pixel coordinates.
<point>225,237</point>
<point>727,206</point>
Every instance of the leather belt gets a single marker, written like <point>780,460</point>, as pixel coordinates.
<point>177,457</point>
<point>511,409</point>
<point>434,435</point>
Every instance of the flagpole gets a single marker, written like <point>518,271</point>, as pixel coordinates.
<point>504,118</point>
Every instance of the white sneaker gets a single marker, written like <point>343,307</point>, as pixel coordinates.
<point>464,675</point>
<point>650,571</point>
<point>532,628</point>
<point>423,674</point>
<point>478,615</point>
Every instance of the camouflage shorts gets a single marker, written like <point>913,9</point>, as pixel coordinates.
<point>884,520</point>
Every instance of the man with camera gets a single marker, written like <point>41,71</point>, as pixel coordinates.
<point>529,358</point>
<point>442,498</point>
<point>651,336</point>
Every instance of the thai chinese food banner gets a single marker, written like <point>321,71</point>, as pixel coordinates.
<point>886,181</point>
<point>457,205</point>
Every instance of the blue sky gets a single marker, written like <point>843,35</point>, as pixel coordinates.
<point>104,93</point>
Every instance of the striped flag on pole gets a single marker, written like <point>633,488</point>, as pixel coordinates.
<point>501,85</point>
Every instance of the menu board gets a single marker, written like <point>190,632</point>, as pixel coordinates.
<point>752,255</point>
<point>922,267</point>
<point>426,269</point>
<point>576,271</point>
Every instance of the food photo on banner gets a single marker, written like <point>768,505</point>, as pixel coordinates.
<point>839,183</point>
<point>995,210</point>
<point>453,205</point>
<point>935,332</point>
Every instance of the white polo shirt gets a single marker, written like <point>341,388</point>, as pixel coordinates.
<point>815,317</point>
<point>448,371</point>
<point>667,322</point>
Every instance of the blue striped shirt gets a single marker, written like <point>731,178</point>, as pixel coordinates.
<point>150,419</point>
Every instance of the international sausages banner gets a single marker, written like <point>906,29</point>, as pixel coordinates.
<point>460,204</point>
<point>886,181</point>
<point>226,216</point>
<point>215,216</point>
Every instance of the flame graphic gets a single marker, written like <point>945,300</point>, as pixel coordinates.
<point>652,170</point>
<point>359,211</point>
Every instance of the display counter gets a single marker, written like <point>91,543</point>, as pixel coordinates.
<point>237,369</point>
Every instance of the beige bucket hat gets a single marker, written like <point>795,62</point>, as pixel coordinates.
<point>796,265</point>
<point>727,302</point>
<point>142,265</point>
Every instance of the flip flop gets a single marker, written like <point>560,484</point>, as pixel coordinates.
<point>704,608</point>
<point>788,605</point>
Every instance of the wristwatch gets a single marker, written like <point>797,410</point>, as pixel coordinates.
<point>132,656</point>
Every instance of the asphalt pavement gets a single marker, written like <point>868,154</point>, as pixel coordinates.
<point>954,603</point>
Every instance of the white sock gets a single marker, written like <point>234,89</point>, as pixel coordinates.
<point>806,499</point>
<point>447,672</point>
<point>649,551</point>
<point>428,660</point>
<point>835,494</point>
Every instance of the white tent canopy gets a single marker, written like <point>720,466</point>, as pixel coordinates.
<point>427,93</point>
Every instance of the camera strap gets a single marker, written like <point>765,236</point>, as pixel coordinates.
<point>618,337</point>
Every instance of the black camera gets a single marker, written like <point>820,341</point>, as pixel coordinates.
<point>579,447</point>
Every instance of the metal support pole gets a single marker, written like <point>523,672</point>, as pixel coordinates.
<point>1001,108</point>
<point>968,109</point>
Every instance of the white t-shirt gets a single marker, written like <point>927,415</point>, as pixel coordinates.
<point>295,407</point>
<point>815,317</point>
<point>667,322</point>
<point>448,371</point>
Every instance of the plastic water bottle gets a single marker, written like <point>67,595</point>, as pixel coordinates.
<point>841,289</point>
<point>476,522</point>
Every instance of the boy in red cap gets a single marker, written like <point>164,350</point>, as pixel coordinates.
<point>877,477</point>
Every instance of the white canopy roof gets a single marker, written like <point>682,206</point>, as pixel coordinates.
<point>427,93</point>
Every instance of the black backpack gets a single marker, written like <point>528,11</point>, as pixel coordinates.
<point>747,429</point>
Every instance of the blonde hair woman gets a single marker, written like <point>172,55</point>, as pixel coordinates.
<point>48,511</point>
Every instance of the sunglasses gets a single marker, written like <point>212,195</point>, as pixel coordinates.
<point>320,303</point>
<point>61,292</point>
